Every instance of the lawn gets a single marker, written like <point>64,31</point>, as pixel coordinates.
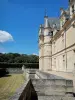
<point>8,85</point>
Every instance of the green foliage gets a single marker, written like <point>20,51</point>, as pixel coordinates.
<point>3,72</point>
<point>15,60</point>
<point>19,65</point>
<point>18,58</point>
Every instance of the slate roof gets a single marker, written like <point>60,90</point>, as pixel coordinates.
<point>54,22</point>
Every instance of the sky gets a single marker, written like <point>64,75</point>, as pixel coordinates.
<point>20,20</point>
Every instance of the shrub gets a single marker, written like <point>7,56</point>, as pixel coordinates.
<point>19,65</point>
<point>3,72</point>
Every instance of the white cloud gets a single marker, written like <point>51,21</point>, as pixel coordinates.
<point>5,36</point>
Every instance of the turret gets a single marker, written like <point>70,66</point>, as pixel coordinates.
<point>47,29</point>
<point>47,44</point>
<point>41,42</point>
<point>41,35</point>
<point>46,24</point>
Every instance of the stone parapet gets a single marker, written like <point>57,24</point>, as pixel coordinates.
<point>44,75</point>
<point>53,86</point>
<point>30,73</point>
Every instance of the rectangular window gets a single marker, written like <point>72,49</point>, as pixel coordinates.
<point>55,62</point>
<point>63,57</point>
<point>74,66</point>
<point>73,9</point>
<point>54,46</point>
<point>63,40</point>
<point>63,60</point>
<point>74,50</point>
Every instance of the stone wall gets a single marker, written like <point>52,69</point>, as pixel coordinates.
<point>15,70</point>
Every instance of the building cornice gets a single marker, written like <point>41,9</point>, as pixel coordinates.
<point>48,36</point>
<point>47,56</point>
<point>41,35</point>
<point>64,49</point>
<point>48,44</point>
<point>47,28</point>
<point>59,51</point>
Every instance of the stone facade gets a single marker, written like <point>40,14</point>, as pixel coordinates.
<point>57,41</point>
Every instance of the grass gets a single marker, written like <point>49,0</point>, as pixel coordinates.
<point>8,85</point>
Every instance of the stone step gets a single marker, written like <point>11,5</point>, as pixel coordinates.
<point>52,86</point>
<point>55,98</point>
<point>45,82</point>
<point>62,95</point>
<point>51,93</point>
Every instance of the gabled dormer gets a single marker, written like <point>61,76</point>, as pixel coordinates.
<point>65,15</point>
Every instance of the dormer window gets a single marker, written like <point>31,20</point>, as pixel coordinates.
<point>50,33</point>
<point>74,50</point>
<point>73,9</point>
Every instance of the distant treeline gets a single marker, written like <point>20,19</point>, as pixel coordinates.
<point>18,58</point>
<point>15,60</point>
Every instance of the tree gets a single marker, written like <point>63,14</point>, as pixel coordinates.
<point>18,58</point>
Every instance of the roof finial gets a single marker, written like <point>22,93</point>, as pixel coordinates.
<point>45,12</point>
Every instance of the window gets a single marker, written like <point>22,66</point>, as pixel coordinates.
<point>63,57</point>
<point>62,37</point>
<point>63,60</point>
<point>74,66</point>
<point>63,40</point>
<point>74,50</point>
<point>50,33</point>
<point>74,24</point>
<point>73,9</point>
<point>54,46</point>
<point>54,62</point>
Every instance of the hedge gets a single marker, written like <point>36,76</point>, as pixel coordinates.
<point>3,72</point>
<point>19,65</point>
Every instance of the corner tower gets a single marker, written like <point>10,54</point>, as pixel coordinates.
<point>41,49</point>
<point>47,45</point>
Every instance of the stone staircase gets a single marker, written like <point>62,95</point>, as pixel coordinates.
<point>48,86</point>
<point>51,87</point>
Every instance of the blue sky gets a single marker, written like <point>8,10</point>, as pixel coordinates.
<point>21,19</point>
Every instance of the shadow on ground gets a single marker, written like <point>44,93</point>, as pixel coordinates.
<point>4,72</point>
